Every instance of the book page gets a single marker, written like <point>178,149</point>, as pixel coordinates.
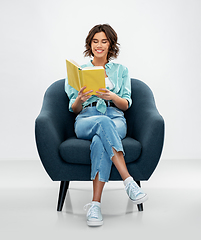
<point>93,68</point>
<point>76,64</point>
<point>73,75</point>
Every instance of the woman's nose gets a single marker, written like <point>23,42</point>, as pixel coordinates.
<point>99,44</point>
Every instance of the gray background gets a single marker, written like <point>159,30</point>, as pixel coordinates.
<point>160,44</point>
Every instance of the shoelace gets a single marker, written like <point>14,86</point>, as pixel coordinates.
<point>93,210</point>
<point>132,188</point>
<point>86,207</point>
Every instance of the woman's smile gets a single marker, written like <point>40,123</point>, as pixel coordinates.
<point>99,50</point>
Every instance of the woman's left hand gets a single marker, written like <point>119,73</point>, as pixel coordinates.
<point>105,94</point>
<point>119,102</point>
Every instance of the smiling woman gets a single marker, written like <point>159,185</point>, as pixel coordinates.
<point>109,36</point>
<point>100,118</point>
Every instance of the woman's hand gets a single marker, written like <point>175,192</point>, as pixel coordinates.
<point>106,94</point>
<point>81,98</point>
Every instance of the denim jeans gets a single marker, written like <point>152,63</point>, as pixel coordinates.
<point>105,131</point>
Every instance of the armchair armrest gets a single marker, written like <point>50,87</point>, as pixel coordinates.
<point>150,133</point>
<point>48,141</point>
<point>146,125</point>
<point>53,125</point>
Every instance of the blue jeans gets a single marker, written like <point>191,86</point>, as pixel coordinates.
<point>105,131</point>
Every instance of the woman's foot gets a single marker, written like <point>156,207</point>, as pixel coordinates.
<point>135,193</point>
<point>94,216</point>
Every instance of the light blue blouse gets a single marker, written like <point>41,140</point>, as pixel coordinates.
<point>118,75</point>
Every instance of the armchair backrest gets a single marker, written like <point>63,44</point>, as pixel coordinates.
<point>56,99</point>
<point>142,103</point>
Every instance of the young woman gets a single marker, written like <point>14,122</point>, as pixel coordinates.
<point>100,118</point>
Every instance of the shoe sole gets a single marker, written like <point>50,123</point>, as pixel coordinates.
<point>94,223</point>
<point>140,200</point>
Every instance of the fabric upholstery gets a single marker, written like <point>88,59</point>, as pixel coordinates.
<point>70,153</point>
<point>66,158</point>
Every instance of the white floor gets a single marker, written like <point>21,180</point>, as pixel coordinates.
<point>28,200</point>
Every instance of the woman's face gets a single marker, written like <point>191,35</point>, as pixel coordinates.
<point>100,45</point>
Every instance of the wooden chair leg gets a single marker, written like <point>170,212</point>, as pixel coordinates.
<point>62,194</point>
<point>139,206</point>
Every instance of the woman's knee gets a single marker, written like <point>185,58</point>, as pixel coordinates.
<point>96,142</point>
<point>106,121</point>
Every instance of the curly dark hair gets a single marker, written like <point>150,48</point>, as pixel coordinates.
<point>111,35</point>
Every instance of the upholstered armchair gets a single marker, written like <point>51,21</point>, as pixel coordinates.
<point>66,158</point>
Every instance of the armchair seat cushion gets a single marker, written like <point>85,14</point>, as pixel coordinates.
<point>71,153</point>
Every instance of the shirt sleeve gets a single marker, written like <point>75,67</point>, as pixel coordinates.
<point>126,93</point>
<point>72,94</point>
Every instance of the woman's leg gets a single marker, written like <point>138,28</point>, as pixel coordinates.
<point>100,161</point>
<point>106,133</point>
<point>100,167</point>
<point>118,158</point>
<point>133,190</point>
<point>102,131</point>
<point>119,162</point>
<point>97,189</point>
<point>102,126</point>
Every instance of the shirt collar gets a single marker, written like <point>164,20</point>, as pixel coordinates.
<point>107,65</point>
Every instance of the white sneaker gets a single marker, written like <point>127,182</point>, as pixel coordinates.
<point>94,216</point>
<point>135,193</point>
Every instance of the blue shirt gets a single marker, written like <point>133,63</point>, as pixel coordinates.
<point>118,75</point>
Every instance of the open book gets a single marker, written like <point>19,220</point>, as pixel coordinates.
<point>91,77</point>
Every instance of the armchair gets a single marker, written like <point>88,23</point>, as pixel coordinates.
<point>58,146</point>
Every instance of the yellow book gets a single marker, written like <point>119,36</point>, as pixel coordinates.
<point>91,77</point>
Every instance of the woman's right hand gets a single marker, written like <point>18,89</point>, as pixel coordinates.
<point>81,98</point>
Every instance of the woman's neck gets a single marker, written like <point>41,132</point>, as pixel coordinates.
<point>99,62</point>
